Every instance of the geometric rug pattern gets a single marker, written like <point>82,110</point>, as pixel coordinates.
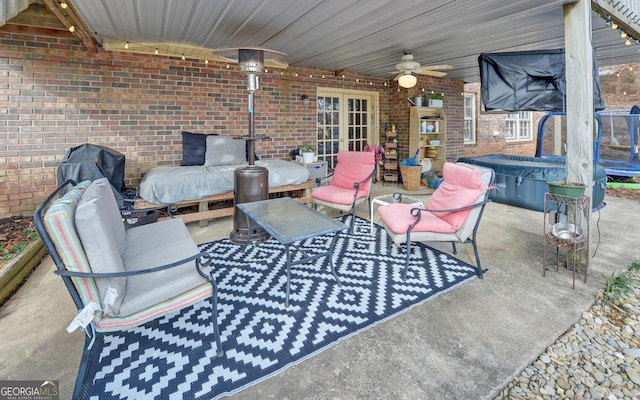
<point>173,357</point>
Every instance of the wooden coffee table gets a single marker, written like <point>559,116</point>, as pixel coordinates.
<point>289,222</point>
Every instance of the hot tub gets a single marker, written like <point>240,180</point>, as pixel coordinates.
<point>522,181</point>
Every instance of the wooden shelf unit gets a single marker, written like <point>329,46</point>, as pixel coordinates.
<point>420,139</point>
<point>390,165</point>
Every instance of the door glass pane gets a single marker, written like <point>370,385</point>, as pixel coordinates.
<point>357,124</point>
<point>328,129</point>
<point>342,124</point>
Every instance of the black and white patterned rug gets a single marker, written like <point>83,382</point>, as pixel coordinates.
<point>174,356</point>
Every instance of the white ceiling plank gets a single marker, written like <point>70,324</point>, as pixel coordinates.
<point>366,37</point>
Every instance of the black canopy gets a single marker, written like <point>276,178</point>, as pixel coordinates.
<point>528,81</point>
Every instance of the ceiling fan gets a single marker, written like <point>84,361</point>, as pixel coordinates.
<point>407,67</point>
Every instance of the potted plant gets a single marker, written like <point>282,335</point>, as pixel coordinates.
<point>435,100</point>
<point>564,189</point>
<point>307,153</point>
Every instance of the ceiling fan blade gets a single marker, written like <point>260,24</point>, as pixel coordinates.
<point>432,67</point>
<point>431,73</point>
<point>398,76</point>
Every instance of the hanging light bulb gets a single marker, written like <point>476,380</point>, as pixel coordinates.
<point>126,46</point>
<point>623,34</point>
<point>206,61</point>
<point>183,57</point>
<point>156,51</point>
<point>72,28</point>
<point>624,93</point>
<point>64,5</point>
<point>614,26</point>
<point>627,42</point>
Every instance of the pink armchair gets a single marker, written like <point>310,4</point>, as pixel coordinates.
<point>452,214</point>
<point>350,184</point>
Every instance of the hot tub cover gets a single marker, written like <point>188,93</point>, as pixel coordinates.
<point>528,81</point>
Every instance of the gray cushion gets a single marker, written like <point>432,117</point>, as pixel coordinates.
<point>224,150</point>
<point>151,246</point>
<point>102,234</point>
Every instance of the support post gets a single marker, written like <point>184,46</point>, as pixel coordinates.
<point>579,100</point>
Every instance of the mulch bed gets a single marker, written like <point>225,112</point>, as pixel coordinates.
<point>13,232</point>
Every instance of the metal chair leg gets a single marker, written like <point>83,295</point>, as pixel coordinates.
<point>406,263</point>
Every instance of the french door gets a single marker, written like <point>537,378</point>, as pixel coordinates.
<point>347,120</point>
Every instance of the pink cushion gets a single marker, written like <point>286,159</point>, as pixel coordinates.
<point>353,166</point>
<point>397,217</point>
<point>461,187</point>
<point>336,195</point>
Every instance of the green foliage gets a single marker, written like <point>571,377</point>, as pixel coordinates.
<point>307,148</point>
<point>620,286</point>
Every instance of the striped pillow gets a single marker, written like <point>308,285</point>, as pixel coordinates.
<point>60,224</point>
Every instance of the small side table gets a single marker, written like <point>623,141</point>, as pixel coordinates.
<point>389,199</point>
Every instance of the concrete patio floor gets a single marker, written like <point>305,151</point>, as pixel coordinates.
<point>465,344</point>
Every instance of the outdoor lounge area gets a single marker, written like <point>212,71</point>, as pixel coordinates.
<point>465,343</point>
<point>261,279</point>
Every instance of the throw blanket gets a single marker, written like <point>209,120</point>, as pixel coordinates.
<point>175,184</point>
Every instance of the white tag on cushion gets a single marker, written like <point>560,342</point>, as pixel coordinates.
<point>84,317</point>
<point>110,299</point>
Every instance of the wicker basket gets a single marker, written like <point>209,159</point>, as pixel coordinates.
<point>411,177</point>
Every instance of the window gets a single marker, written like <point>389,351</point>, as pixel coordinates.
<point>469,117</point>
<point>518,126</point>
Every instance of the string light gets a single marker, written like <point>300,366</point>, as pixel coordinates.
<point>156,51</point>
<point>72,28</point>
<point>627,42</point>
<point>126,46</point>
<point>183,57</point>
<point>206,61</point>
<point>623,34</point>
<point>64,5</point>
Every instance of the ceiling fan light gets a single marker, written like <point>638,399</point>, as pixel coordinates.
<point>407,81</point>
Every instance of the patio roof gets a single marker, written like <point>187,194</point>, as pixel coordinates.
<point>363,37</point>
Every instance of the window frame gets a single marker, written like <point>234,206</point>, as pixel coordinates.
<point>515,123</point>
<point>470,122</point>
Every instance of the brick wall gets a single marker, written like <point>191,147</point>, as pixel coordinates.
<point>489,143</point>
<point>55,96</point>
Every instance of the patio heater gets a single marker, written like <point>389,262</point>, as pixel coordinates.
<point>251,183</point>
